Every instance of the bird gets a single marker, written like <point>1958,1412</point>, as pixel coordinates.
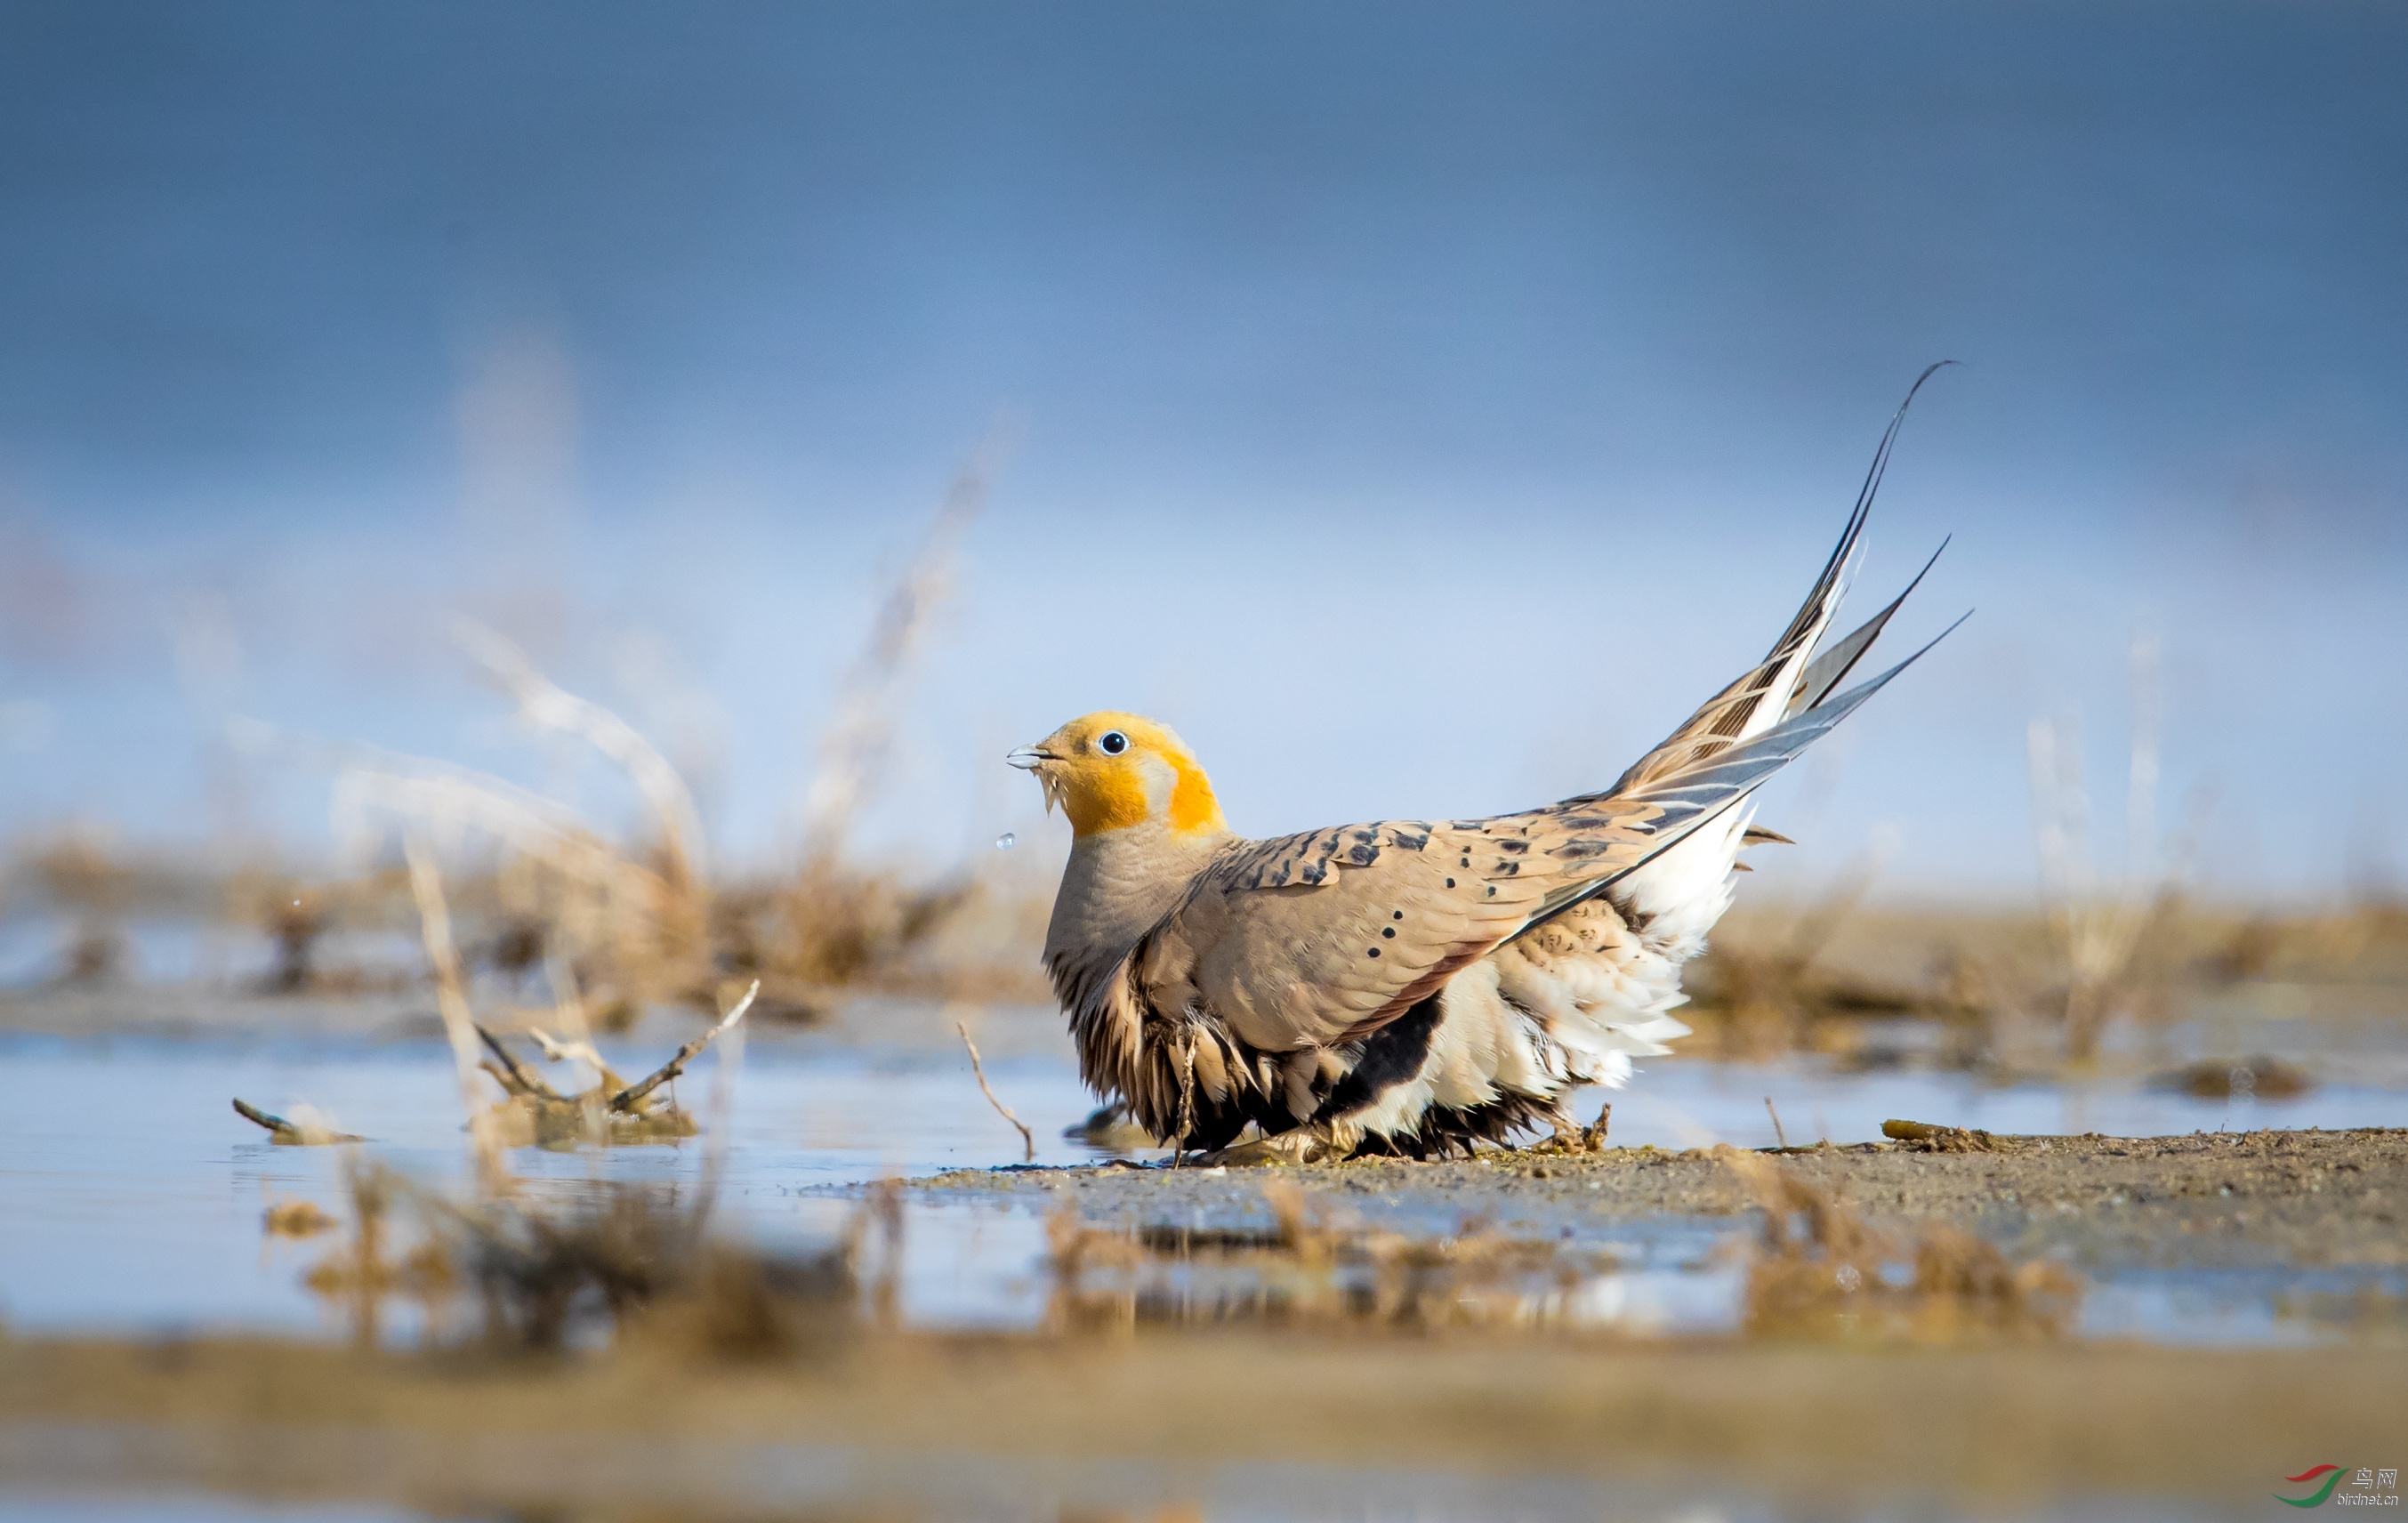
<point>1414,987</point>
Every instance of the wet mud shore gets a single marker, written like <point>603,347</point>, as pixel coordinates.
<point>2005,1417</point>
<point>2219,1201</point>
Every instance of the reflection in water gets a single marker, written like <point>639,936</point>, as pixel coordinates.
<point>1312,1268</point>
<point>622,1261</point>
<point>1821,1270</point>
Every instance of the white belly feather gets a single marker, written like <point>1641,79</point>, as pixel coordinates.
<point>1575,1000</point>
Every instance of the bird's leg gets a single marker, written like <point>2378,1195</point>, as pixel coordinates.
<point>1593,1138</point>
<point>1186,1098</point>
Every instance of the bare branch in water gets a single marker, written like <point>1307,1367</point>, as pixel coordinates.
<point>1027,1138</point>
<point>254,1115</point>
<point>581,1050</point>
<point>633,1096</point>
<point>520,1078</point>
<point>290,1134</point>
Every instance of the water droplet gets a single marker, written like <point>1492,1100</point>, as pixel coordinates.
<point>1006,841</point>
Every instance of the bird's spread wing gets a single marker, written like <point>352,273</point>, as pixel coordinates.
<point>1307,941</point>
<point>1315,939</point>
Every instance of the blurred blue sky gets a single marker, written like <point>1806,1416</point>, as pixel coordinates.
<point>1421,406</point>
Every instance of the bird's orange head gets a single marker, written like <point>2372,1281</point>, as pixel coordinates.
<point>1110,771</point>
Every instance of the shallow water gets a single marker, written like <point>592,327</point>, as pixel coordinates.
<point>134,1195</point>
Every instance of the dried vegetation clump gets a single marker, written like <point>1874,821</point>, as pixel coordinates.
<point>1991,991</point>
<point>1820,1270</point>
<point>550,902</point>
<point>94,892</point>
<point>831,928</point>
<point>81,879</point>
<point>295,1219</point>
<point>300,917</point>
<point>2041,990</point>
<point>2249,1078</point>
<point>611,1111</point>
<point>618,928</point>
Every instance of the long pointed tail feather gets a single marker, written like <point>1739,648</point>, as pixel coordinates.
<point>1768,693</point>
<point>1830,668</point>
<point>1705,793</point>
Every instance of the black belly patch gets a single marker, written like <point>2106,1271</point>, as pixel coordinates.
<point>1389,1057</point>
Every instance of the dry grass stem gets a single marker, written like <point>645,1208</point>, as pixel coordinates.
<point>451,1000</point>
<point>854,744</point>
<point>1027,1138</point>
<point>2102,928</point>
<point>547,705</point>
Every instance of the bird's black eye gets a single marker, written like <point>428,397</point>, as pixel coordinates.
<point>1111,742</point>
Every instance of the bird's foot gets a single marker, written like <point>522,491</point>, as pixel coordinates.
<point>1304,1145</point>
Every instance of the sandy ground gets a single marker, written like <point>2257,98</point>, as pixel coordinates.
<point>2239,1199</point>
<point>1827,1430</point>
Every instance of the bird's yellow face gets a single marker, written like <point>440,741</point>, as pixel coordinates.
<point>1110,771</point>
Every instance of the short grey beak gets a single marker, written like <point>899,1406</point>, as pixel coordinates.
<point>1028,758</point>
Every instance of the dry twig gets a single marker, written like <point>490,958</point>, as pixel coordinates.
<point>633,1096</point>
<point>513,1075</point>
<point>1027,1138</point>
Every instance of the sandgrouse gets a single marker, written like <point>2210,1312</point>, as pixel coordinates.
<point>1410,985</point>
